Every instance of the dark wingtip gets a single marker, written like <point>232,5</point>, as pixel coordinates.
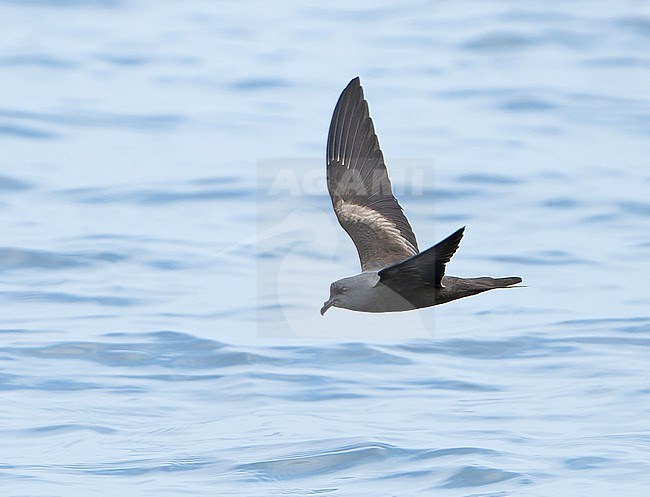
<point>446,249</point>
<point>354,83</point>
<point>457,235</point>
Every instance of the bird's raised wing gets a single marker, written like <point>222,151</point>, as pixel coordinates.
<point>358,183</point>
<point>425,268</point>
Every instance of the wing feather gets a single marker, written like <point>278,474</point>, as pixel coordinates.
<point>359,186</point>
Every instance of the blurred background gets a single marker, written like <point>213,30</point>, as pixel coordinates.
<point>160,330</point>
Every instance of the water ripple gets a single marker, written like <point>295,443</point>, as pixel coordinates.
<point>516,347</point>
<point>636,208</point>
<point>20,131</point>
<point>437,384</point>
<point>9,184</point>
<point>90,119</point>
<point>42,60</point>
<point>351,353</point>
<point>20,258</point>
<point>55,429</point>
<point>55,4</point>
<point>156,196</point>
<point>587,462</point>
<point>546,258</point>
<point>251,84</point>
<point>477,476</point>
<point>69,298</point>
<point>322,462</point>
<point>489,179</point>
<point>134,467</point>
<point>500,42</point>
<point>173,350</point>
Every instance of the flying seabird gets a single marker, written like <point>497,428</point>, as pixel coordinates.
<point>395,275</point>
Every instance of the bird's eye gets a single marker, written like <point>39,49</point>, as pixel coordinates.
<point>344,289</point>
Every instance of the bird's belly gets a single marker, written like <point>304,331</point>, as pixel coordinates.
<point>388,300</point>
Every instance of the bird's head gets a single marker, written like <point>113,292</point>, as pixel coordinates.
<point>349,293</point>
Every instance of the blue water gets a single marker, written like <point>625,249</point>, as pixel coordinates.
<point>167,243</point>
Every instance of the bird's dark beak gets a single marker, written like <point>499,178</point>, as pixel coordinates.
<point>327,305</point>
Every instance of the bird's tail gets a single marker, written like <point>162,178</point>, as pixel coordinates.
<point>489,282</point>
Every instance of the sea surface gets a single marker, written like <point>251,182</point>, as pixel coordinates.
<point>167,242</point>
